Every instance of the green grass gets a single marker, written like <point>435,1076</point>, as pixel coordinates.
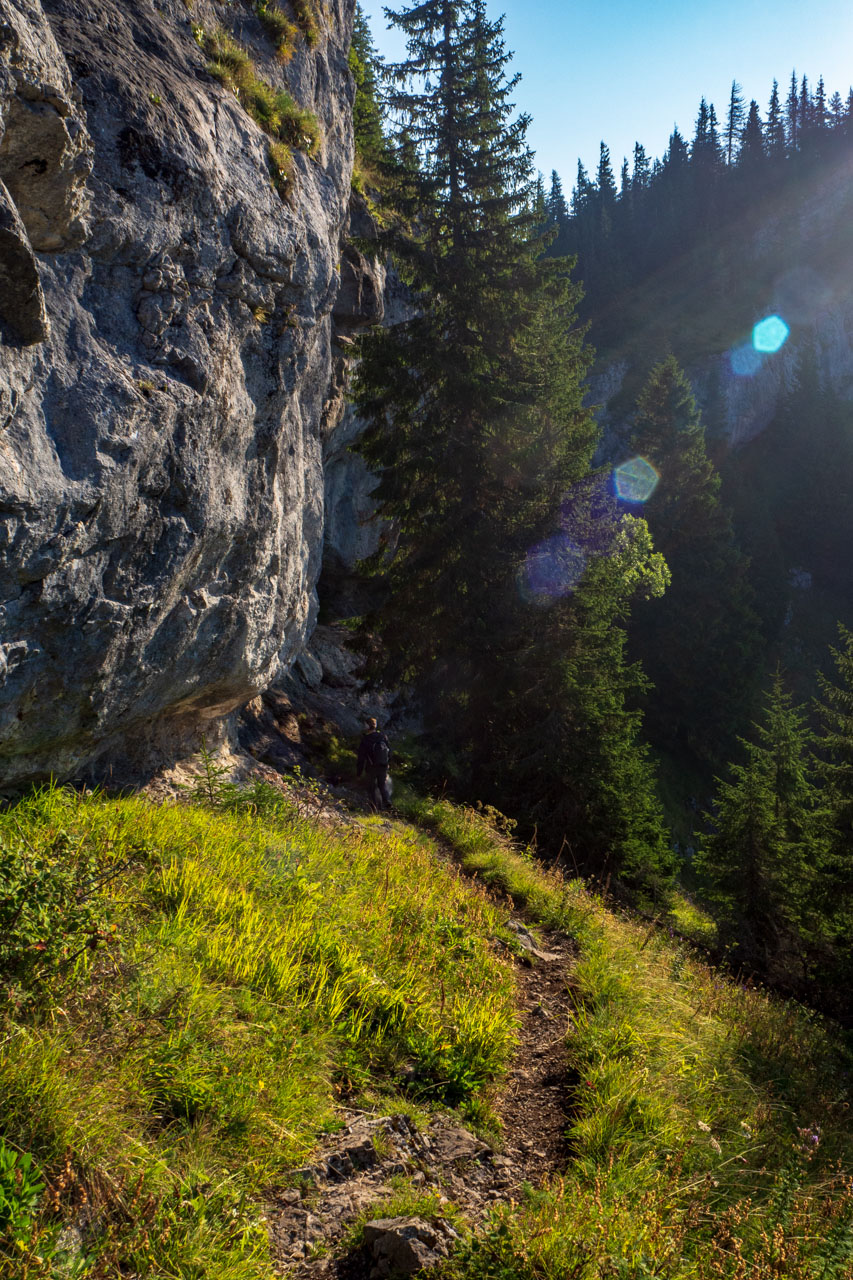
<point>288,124</point>
<point>307,17</point>
<point>697,1105</point>
<point>264,969</point>
<point>484,848</point>
<point>281,31</point>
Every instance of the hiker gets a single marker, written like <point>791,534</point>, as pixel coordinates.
<point>374,754</point>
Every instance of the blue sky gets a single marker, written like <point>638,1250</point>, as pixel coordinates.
<point>621,70</point>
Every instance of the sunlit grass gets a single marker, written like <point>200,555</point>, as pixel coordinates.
<point>710,1135</point>
<point>268,966</point>
<point>264,969</point>
<point>273,109</point>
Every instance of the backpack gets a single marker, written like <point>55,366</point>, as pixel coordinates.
<point>380,752</point>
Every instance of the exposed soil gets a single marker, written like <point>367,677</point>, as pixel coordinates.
<point>309,1224</point>
<point>536,1107</point>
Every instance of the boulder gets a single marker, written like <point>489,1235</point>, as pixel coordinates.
<point>405,1246</point>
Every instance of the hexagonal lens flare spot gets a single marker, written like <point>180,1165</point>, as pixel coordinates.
<point>635,481</point>
<point>770,335</point>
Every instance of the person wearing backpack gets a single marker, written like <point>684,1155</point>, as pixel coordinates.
<point>374,756</point>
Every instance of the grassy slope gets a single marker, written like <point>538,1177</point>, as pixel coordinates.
<point>264,967</point>
<point>267,966</point>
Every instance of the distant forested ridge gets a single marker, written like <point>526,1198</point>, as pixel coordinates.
<point>625,228</point>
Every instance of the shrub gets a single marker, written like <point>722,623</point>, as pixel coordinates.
<point>48,912</point>
<point>20,1191</point>
<point>281,166</point>
<point>273,109</point>
<point>306,16</point>
<point>279,28</point>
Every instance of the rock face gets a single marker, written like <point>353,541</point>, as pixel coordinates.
<point>168,372</point>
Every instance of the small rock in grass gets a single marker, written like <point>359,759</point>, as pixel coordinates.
<point>404,1246</point>
<point>457,1144</point>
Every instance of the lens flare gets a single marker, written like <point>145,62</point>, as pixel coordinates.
<point>745,361</point>
<point>551,570</point>
<point>635,481</point>
<point>770,335</point>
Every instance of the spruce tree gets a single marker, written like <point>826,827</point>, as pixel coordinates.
<point>792,114</point>
<point>753,155</point>
<point>833,949</point>
<point>734,123</point>
<point>641,172</point>
<point>474,405</point>
<point>699,644</point>
<point>477,427</point>
<point>569,754</point>
<point>606,181</point>
<point>555,202</point>
<point>836,744</point>
<point>365,65</point>
<point>775,126</point>
<point>820,113</point>
<point>836,111</point>
<point>761,857</point>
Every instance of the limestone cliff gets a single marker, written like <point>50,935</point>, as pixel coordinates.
<point>169,371</point>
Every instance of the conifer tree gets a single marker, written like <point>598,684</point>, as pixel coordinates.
<point>558,210</point>
<point>792,114</point>
<point>836,712</point>
<point>641,172</point>
<point>474,405</point>
<point>806,117</point>
<point>834,856</point>
<point>570,756</point>
<point>820,111</point>
<point>836,111</point>
<point>583,191</point>
<point>606,181</point>
<point>698,645</point>
<point>752,153</point>
<point>775,126</point>
<point>714,135</point>
<point>364,62</point>
<point>761,856</point>
<point>477,427</point>
<point>734,123</point>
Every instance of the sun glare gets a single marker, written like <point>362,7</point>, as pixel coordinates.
<point>552,570</point>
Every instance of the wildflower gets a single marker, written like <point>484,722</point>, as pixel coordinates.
<point>706,1128</point>
<point>715,1144</point>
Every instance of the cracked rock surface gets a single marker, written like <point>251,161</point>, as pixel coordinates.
<point>168,375</point>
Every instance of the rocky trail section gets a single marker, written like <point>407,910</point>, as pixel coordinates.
<point>355,1173</point>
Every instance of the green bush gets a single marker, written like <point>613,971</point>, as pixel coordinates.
<point>48,910</point>
<point>279,28</point>
<point>273,109</point>
<point>20,1191</point>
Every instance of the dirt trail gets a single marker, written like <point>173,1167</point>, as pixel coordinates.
<point>308,1225</point>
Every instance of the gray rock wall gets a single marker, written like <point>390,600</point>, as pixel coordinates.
<point>167,373</point>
